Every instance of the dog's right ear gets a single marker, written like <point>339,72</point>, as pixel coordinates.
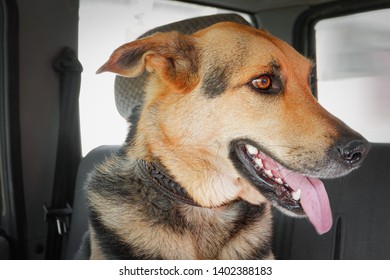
<point>171,55</point>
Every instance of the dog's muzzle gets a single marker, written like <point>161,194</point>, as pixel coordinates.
<point>291,192</point>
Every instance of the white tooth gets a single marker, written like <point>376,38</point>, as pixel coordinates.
<point>268,173</point>
<point>251,150</point>
<point>296,195</point>
<point>259,162</point>
<point>278,180</point>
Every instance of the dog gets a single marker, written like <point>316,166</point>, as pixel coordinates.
<point>227,129</point>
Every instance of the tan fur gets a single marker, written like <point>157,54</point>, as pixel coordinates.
<point>200,141</point>
<point>189,133</point>
<point>157,238</point>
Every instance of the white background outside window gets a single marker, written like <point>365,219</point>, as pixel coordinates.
<point>353,71</point>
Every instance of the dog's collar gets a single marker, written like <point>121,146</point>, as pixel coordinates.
<point>163,183</point>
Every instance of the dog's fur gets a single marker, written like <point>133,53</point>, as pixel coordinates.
<point>199,99</point>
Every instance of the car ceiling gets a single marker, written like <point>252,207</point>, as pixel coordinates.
<point>252,6</point>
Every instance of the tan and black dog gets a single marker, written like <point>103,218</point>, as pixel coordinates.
<point>228,128</point>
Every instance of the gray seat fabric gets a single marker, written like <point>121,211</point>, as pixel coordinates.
<point>79,224</point>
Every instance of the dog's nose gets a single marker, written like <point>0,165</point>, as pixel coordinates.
<point>353,152</point>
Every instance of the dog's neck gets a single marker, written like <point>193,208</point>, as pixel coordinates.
<point>189,163</point>
<point>200,166</point>
<point>162,182</point>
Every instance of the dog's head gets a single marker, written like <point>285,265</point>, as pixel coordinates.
<point>229,111</point>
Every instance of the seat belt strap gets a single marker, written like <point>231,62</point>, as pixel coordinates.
<point>68,151</point>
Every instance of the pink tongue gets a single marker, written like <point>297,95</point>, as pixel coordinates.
<point>314,199</point>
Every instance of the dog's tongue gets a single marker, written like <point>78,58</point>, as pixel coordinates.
<point>314,199</point>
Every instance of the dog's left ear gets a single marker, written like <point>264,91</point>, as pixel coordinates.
<point>170,55</point>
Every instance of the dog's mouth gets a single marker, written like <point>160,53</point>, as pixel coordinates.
<point>294,193</point>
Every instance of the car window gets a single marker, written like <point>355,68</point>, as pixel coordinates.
<point>353,71</point>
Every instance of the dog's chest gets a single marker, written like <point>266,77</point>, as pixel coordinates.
<point>240,231</point>
<point>154,227</point>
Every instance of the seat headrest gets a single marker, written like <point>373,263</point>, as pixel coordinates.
<point>129,91</point>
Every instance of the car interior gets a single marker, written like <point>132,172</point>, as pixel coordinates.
<point>49,109</point>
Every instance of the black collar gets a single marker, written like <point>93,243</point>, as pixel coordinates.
<point>163,183</point>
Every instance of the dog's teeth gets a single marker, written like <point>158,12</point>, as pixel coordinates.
<point>296,195</point>
<point>279,181</point>
<point>251,150</point>
<point>259,162</point>
<point>268,173</point>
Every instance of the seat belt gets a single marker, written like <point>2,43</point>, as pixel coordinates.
<point>68,157</point>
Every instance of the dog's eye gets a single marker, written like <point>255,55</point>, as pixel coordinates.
<point>267,84</point>
<point>263,82</point>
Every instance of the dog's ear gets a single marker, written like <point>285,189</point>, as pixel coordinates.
<point>171,55</point>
